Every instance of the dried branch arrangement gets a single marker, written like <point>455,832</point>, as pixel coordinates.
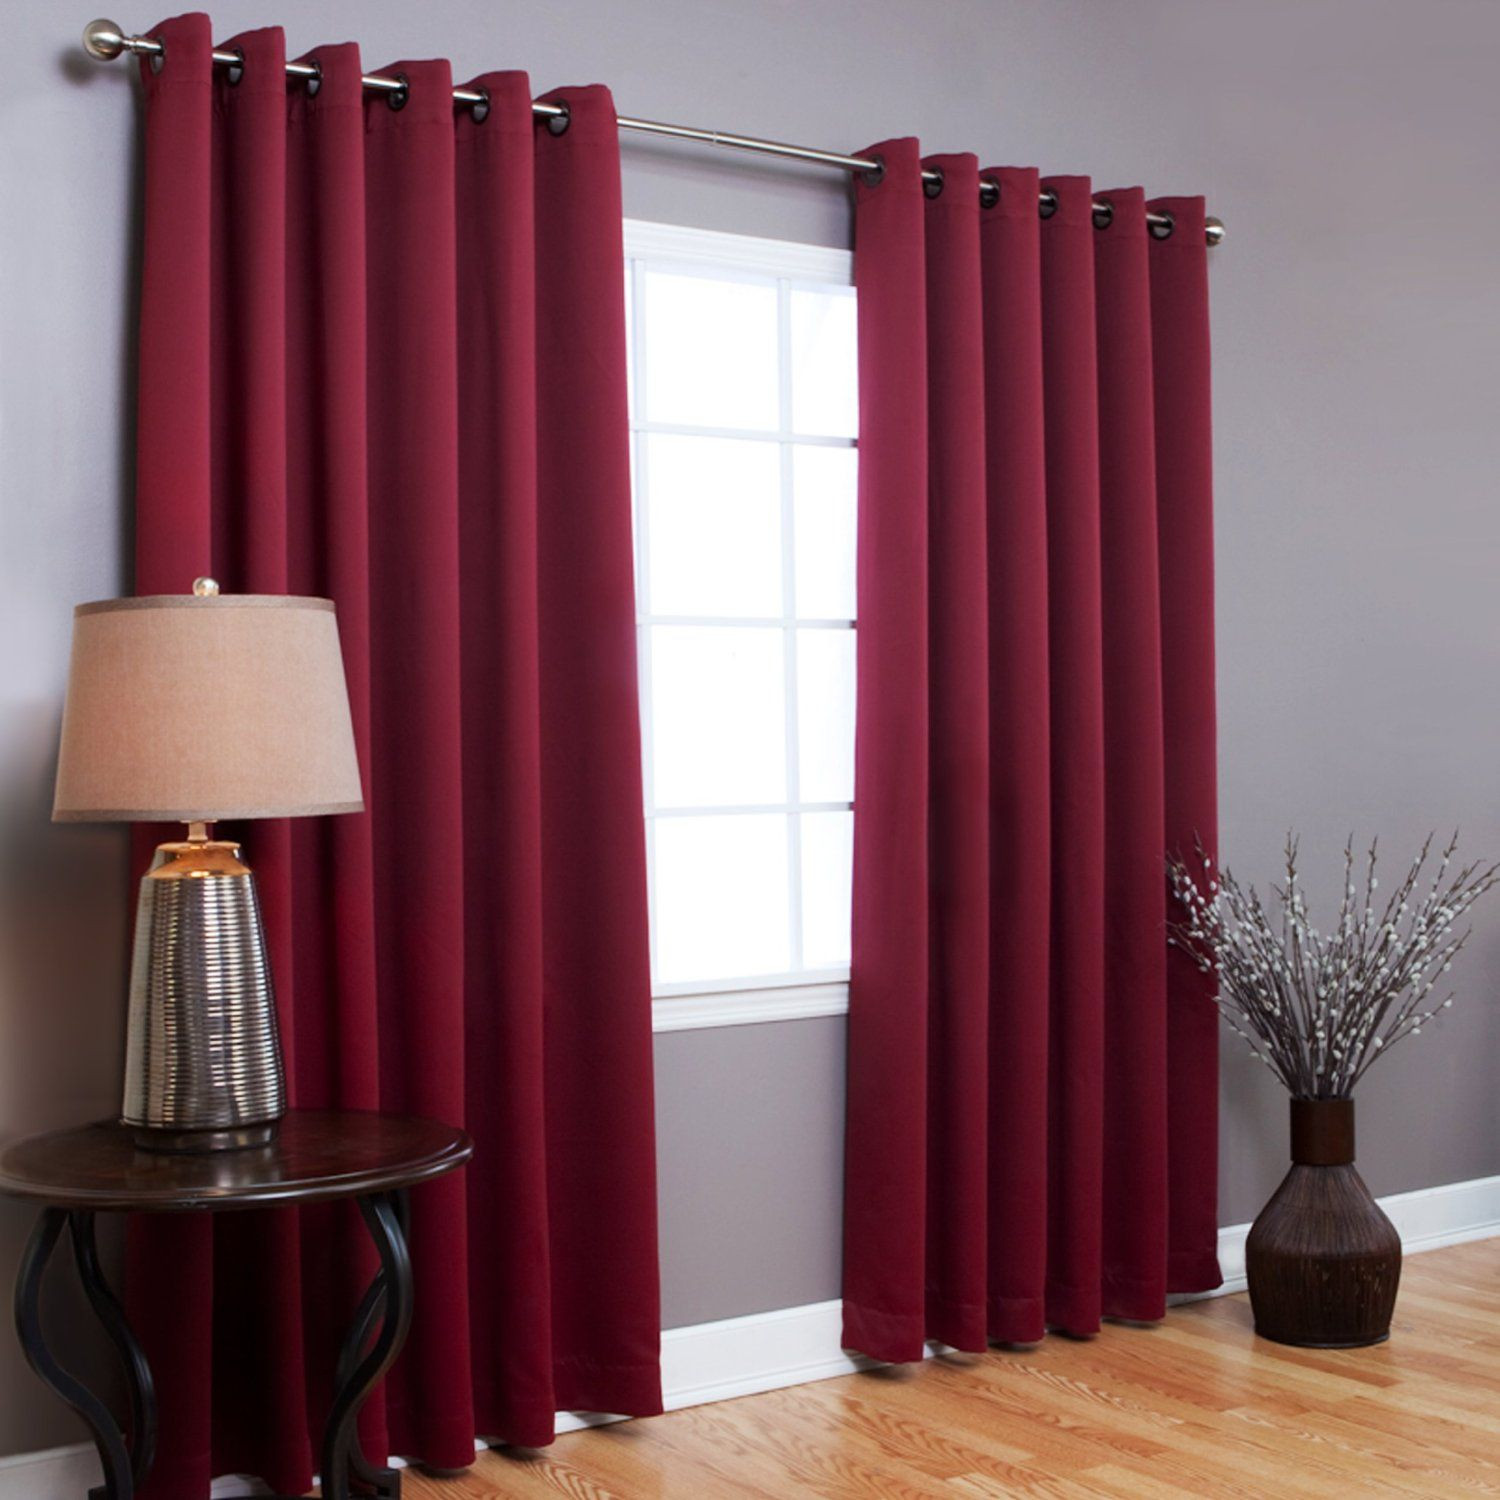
<point>1319,1007</point>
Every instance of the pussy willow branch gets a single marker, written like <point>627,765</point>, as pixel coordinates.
<point>1319,1007</point>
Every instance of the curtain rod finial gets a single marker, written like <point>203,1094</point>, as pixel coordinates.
<point>104,40</point>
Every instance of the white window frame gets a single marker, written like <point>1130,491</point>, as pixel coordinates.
<point>784,997</point>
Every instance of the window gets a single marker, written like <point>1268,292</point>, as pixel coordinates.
<point>743,421</point>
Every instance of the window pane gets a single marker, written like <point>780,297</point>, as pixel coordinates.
<point>823,497</point>
<point>718,715</point>
<point>825,715</point>
<point>710,352</point>
<point>721,897</point>
<point>637,500</point>
<point>715,526</point>
<point>629,342</point>
<point>824,390</point>
<point>827,866</point>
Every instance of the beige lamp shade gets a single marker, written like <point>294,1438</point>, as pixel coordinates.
<point>194,708</point>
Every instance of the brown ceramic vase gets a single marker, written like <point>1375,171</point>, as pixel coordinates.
<point>1322,1260</point>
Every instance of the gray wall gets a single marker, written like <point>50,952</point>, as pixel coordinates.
<point>1352,148</point>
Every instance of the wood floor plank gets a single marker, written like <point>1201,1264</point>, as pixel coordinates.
<point>899,1420</point>
<point>1195,1407</point>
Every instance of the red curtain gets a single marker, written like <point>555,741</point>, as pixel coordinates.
<point>1032,1116</point>
<point>382,359</point>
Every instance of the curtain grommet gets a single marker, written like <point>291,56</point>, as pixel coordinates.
<point>558,124</point>
<point>989,193</point>
<point>932,181</point>
<point>236,70</point>
<point>1162,225</point>
<point>315,82</point>
<point>1046,205</point>
<point>1104,214</point>
<point>398,98</point>
<point>158,60</point>
<point>479,110</point>
<point>874,176</point>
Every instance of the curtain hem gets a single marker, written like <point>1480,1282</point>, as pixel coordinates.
<point>1017,1320</point>
<point>895,1338</point>
<point>621,1390</point>
<point>1194,1271</point>
<point>1073,1310</point>
<point>1133,1298</point>
<point>959,1325</point>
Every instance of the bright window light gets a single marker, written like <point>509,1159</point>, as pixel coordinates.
<point>744,411</point>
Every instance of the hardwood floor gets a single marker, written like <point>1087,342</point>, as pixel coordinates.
<point>1195,1406</point>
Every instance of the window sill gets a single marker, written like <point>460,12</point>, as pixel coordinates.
<point>750,1006</point>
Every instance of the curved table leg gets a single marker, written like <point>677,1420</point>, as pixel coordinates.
<point>354,1345</point>
<point>342,1457</point>
<point>142,1389</point>
<point>119,1481</point>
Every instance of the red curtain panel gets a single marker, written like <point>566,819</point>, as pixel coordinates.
<point>1032,1115</point>
<point>382,358</point>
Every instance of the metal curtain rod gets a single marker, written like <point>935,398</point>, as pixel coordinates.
<point>105,41</point>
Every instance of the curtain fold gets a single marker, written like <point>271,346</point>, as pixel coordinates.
<point>1184,483</point>
<point>1032,1090</point>
<point>344,391</point>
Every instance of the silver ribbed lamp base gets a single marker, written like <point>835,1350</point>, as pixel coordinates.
<point>203,1058</point>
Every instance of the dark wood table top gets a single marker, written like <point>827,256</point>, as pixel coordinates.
<point>316,1155</point>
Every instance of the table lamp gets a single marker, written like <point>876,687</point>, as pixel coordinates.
<point>191,708</point>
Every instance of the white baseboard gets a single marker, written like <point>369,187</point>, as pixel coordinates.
<point>759,1352</point>
<point>67,1473</point>
<point>794,1345</point>
<point>741,1356</point>
<point>1426,1219</point>
<point>52,1474</point>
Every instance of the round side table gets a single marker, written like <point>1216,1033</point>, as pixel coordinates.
<point>316,1156</point>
